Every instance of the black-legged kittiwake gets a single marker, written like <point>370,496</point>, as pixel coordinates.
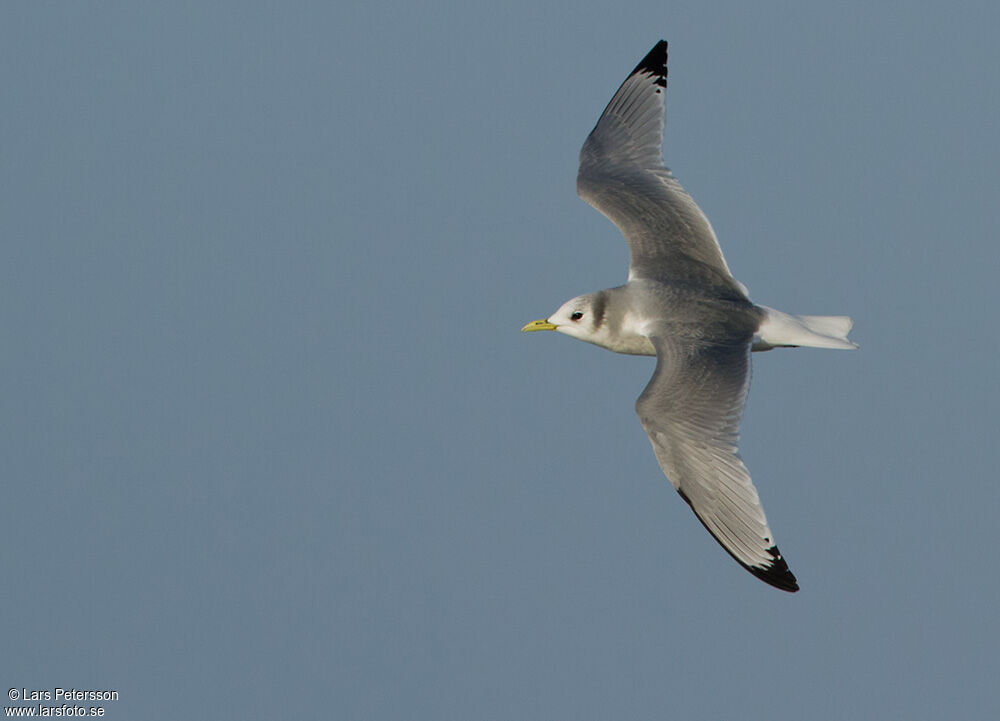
<point>682,304</point>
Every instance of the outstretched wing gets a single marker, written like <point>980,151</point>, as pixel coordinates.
<point>623,176</point>
<point>691,410</point>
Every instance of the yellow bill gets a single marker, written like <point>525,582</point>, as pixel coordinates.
<point>542,324</point>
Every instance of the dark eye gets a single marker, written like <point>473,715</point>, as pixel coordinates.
<point>576,316</point>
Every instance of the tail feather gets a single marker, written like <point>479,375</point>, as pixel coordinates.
<point>783,330</point>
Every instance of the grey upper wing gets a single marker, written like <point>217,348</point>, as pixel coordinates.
<point>691,410</point>
<point>622,175</point>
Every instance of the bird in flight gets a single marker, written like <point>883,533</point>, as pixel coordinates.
<point>682,305</point>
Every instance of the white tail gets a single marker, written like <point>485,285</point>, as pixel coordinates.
<point>783,330</point>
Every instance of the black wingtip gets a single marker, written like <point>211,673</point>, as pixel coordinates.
<point>777,574</point>
<point>655,63</point>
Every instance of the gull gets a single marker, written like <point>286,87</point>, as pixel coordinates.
<point>682,305</point>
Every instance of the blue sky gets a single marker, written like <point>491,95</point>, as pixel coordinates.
<point>274,445</point>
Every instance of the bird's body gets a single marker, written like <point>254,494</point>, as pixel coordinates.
<point>618,315</point>
<point>682,305</point>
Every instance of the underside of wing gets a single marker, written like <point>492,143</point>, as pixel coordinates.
<point>622,175</point>
<point>691,411</point>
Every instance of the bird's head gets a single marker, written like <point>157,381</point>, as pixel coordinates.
<point>581,317</point>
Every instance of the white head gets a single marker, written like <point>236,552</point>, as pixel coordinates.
<point>582,317</point>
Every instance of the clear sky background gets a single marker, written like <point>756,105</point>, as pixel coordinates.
<point>274,446</point>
